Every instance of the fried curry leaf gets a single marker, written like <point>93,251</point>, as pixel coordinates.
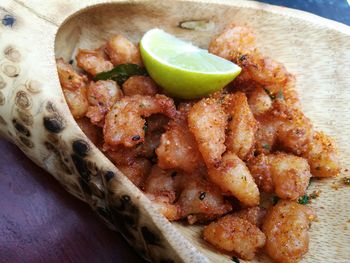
<point>121,73</point>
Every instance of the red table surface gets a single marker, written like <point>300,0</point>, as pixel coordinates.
<point>41,222</point>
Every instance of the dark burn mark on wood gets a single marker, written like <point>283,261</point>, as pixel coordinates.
<point>8,20</point>
<point>166,261</point>
<point>149,237</point>
<point>85,186</point>
<point>21,128</point>
<point>81,147</point>
<point>81,166</point>
<point>53,124</point>
<point>109,175</point>
<point>26,141</point>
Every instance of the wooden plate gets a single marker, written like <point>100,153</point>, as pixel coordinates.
<point>34,116</point>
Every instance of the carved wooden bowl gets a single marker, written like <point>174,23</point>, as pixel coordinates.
<point>34,115</point>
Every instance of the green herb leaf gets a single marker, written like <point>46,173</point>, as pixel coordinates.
<point>303,200</point>
<point>121,73</point>
<point>280,95</point>
<point>266,146</point>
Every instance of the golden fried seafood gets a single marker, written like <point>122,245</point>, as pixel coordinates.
<point>165,207</point>
<point>236,235</point>
<point>178,148</point>
<point>207,121</point>
<point>137,171</point>
<point>101,95</point>
<point>93,132</point>
<point>117,129</point>
<point>140,85</point>
<point>234,178</point>
<point>285,174</point>
<point>286,228</point>
<point>254,215</point>
<point>201,201</point>
<point>74,88</point>
<point>160,183</point>
<point>241,126</point>
<point>322,156</point>
<point>121,51</point>
<point>93,61</point>
<point>259,101</point>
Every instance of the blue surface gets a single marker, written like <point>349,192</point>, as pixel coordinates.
<point>338,10</point>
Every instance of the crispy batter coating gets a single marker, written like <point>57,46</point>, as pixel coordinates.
<point>235,234</point>
<point>117,129</point>
<point>241,126</point>
<point>201,201</point>
<point>140,85</point>
<point>322,156</point>
<point>254,215</point>
<point>74,88</point>
<point>178,148</point>
<point>161,183</point>
<point>93,61</point>
<point>286,228</point>
<point>121,51</point>
<point>165,207</point>
<point>101,96</point>
<point>137,171</point>
<point>285,174</point>
<point>259,101</point>
<point>207,122</point>
<point>234,178</point>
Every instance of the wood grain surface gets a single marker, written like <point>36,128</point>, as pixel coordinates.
<point>40,222</point>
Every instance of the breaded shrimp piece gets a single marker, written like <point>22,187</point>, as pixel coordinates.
<point>294,131</point>
<point>286,228</point>
<point>241,127</point>
<point>259,168</point>
<point>122,155</point>
<point>266,134</point>
<point>322,156</point>
<point>141,85</point>
<point>201,201</point>
<point>69,79</point>
<point>74,88</point>
<point>121,51</point>
<point>237,43</point>
<point>236,235</point>
<point>101,96</point>
<point>137,171</point>
<point>254,215</point>
<point>178,148</point>
<point>259,101</point>
<point>234,178</point>
<point>93,61</point>
<point>165,207</point>
<point>93,132</point>
<point>285,174</point>
<point>207,121</point>
<point>232,40</point>
<point>132,110</point>
<point>160,183</point>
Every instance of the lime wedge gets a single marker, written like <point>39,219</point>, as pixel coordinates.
<point>182,69</point>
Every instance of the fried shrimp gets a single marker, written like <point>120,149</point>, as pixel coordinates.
<point>259,101</point>
<point>234,178</point>
<point>178,148</point>
<point>93,61</point>
<point>121,51</point>
<point>117,129</point>
<point>285,174</point>
<point>101,96</point>
<point>207,121</point>
<point>236,235</point>
<point>74,88</point>
<point>286,228</point>
<point>241,126</point>
<point>322,156</point>
<point>254,215</point>
<point>137,171</point>
<point>140,85</point>
<point>200,201</point>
